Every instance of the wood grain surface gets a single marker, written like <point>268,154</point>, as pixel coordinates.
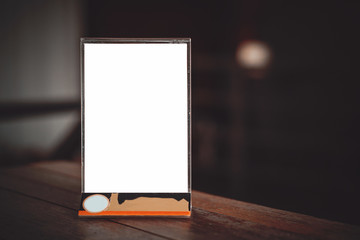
<point>41,201</point>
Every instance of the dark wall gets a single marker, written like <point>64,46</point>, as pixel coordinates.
<point>39,65</point>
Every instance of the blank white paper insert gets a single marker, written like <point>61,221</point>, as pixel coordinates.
<point>135,117</point>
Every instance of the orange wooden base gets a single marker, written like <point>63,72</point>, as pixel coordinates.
<point>136,213</point>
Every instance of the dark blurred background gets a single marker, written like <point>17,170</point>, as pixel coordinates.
<point>274,83</point>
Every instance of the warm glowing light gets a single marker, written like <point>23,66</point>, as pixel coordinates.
<point>253,55</point>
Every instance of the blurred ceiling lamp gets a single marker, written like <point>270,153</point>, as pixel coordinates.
<point>253,55</point>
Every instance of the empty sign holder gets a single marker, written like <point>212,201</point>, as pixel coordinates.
<point>136,127</point>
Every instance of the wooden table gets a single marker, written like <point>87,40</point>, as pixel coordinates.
<point>40,201</point>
